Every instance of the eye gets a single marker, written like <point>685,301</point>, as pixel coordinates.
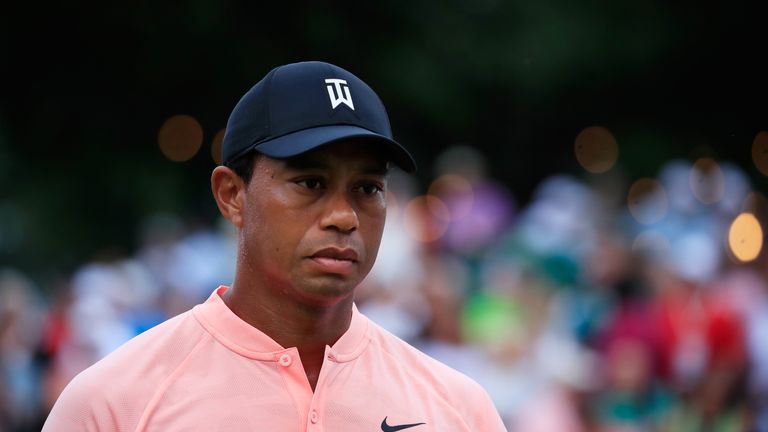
<point>371,188</point>
<point>310,183</point>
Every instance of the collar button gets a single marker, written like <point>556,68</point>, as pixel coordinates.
<point>285,360</point>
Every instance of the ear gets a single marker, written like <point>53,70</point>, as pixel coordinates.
<point>229,191</point>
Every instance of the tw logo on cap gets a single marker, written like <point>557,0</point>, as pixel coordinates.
<point>335,87</point>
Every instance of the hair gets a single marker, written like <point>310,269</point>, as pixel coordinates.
<point>243,165</point>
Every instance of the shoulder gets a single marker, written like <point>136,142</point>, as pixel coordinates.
<point>418,363</point>
<point>113,393</point>
<point>456,389</point>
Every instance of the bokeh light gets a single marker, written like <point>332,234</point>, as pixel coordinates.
<point>651,242</point>
<point>218,139</point>
<point>596,149</point>
<point>180,138</point>
<point>647,201</point>
<point>425,218</point>
<point>707,181</point>
<point>457,193</point>
<point>745,237</point>
<point>760,152</point>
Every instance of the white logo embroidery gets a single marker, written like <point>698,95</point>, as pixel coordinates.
<point>337,97</point>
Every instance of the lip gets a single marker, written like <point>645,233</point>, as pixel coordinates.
<point>335,260</point>
<point>346,254</point>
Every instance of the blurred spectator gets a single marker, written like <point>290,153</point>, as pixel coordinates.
<point>391,294</point>
<point>479,208</point>
<point>574,314</point>
<point>20,334</point>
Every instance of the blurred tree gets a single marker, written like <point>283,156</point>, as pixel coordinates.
<point>87,87</point>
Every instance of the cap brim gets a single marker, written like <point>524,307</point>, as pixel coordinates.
<point>302,141</point>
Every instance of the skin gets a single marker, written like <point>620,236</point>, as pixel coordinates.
<point>309,228</point>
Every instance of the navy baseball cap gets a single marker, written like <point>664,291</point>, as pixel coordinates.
<point>301,106</point>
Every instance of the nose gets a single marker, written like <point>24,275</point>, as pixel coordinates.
<point>340,215</point>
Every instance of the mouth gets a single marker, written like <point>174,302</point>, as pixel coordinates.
<point>336,254</point>
<point>335,260</point>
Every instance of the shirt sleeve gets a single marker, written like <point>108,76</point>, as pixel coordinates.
<point>82,406</point>
<point>485,416</point>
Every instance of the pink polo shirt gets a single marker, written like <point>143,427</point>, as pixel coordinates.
<point>207,370</point>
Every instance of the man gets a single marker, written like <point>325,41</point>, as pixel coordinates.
<point>306,155</point>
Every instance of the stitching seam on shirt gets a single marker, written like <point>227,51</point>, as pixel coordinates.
<point>152,405</point>
<point>230,344</point>
<point>362,343</point>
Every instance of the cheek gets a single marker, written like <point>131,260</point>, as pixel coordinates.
<point>269,229</point>
<point>276,231</point>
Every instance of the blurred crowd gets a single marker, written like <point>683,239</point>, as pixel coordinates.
<point>587,309</point>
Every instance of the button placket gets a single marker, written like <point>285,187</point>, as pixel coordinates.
<point>329,370</point>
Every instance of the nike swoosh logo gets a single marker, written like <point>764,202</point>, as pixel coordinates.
<point>387,428</point>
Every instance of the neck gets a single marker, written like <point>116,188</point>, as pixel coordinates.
<point>307,327</point>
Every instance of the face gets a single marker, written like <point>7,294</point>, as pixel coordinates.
<point>311,225</point>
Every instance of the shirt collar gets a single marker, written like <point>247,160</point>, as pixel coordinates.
<point>244,339</point>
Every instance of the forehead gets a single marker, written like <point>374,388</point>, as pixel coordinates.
<point>351,155</point>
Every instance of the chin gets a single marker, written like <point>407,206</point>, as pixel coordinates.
<point>327,291</point>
